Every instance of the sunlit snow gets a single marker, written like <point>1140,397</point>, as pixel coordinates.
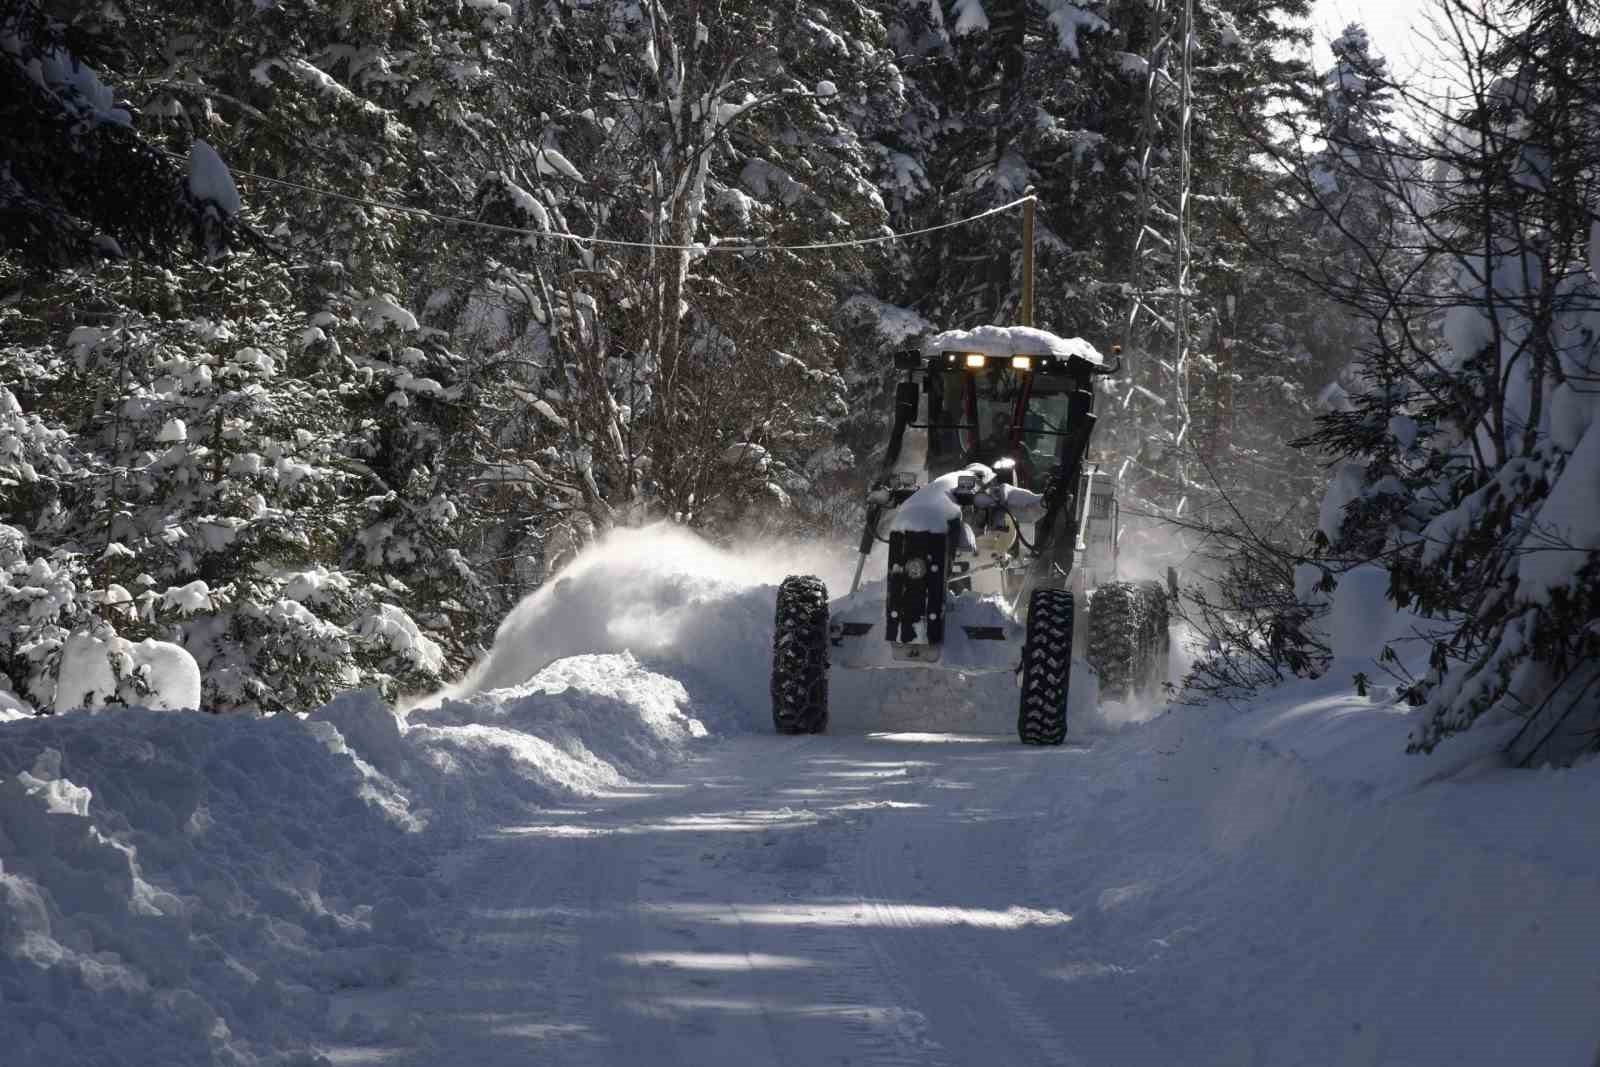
<point>596,850</point>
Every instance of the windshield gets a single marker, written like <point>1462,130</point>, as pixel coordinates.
<point>1046,417</point>
<point>996,392</point>
<point>947,418</point>
<point>972,416</point>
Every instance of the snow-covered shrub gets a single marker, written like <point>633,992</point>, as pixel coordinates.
<point>97,668</point>
<point>40,605</point>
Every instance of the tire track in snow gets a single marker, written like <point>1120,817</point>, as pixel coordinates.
<point>945,959</point>
<point>894,1032</point>
<point>837,1012</point>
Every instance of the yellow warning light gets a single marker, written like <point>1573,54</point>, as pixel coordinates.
<point>975,360</point>
<point>1022,362</point>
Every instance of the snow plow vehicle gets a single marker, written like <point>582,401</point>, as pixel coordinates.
<point>1001,542</point>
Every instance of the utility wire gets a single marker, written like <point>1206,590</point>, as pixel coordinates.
<point>581,240</point>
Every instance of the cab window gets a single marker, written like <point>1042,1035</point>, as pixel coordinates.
<point>996,390</point>
<point>947,414</point>
<point>1046,417</point>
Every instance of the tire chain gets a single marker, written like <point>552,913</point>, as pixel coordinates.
<point>1155,635</point>
<point>800,656</point>
<point>1046,668</point>
<point>1115,644</point>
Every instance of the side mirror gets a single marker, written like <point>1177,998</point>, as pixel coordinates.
<point>905,402</point>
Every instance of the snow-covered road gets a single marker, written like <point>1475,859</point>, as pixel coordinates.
<point>862,900</point>
<point>1153,897</point>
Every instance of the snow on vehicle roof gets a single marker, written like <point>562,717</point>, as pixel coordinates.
<point>1013,341</point>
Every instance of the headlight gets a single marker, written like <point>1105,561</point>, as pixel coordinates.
<point>916,568</point>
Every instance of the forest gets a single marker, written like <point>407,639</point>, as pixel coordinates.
<point>331,330</point>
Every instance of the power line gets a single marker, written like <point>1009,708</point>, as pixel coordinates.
<point>457,220</point>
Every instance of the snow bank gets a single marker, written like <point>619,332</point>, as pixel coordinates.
<point>584,726</point>
<point>189,889</point>
<point>195,887</point>
<point>1283,884</point>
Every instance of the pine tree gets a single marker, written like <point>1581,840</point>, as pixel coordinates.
<point>256,467</point>
<point>1473,436</point>
<point>77,180</point>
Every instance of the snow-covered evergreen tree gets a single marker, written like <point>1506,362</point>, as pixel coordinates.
<point>1473,443</point>
<point>77,180</point>
<point>260,454</point>
<point>191,478</point>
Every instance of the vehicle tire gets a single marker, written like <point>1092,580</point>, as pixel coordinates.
<point>1157,637</point>
<point>1046,668</point>
<point>1115,640</point>
<point>800,656</point>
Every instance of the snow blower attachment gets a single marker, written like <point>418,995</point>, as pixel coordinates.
<point>1002,541</point>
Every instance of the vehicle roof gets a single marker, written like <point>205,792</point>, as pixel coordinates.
<point>1013,341</point>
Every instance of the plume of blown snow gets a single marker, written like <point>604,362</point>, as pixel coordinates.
<point>703,615</point>
<point>664,594</point>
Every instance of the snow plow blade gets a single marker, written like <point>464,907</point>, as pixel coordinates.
<point>981,637</point>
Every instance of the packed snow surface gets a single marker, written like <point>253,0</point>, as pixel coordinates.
<point>1012,341</point>
<point>596,852</point>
